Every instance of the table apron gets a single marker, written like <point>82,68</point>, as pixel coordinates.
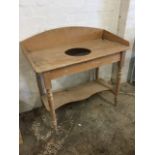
<point>80,67</point>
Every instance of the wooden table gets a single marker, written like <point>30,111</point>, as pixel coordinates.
<point>69,50</point>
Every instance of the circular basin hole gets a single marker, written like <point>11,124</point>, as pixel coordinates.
<point>77,51</point>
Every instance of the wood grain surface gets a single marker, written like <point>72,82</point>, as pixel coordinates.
<point>46,51</point>
<point>78,93</point>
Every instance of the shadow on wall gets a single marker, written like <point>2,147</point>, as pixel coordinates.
<point>25,106</point>
<point>28,90</point>
<point>71,80</point>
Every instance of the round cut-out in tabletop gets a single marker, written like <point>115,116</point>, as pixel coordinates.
<point>78,51</point>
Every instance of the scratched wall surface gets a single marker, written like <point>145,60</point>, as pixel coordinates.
<point>129,35</point>
<point>38,16</point>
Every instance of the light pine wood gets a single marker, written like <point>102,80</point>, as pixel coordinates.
<point>51,108</point>
<point>119,72</point>
<point>77,93</point>
<point>46,54</point>
<point>112,37</point>
<point>61,36</point>
<point>80,67</point>
<point>54,58</point>
<point>50,100</point>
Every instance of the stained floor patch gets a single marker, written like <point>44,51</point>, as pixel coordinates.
<point>90,127</point>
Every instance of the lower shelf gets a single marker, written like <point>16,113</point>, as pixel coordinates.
<point>78,93</point>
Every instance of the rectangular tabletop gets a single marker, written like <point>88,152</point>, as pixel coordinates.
<point>54,58</point>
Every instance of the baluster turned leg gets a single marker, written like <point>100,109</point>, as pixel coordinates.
<point>47,84</point>
<point>52,109</point>
<point>119,72</point>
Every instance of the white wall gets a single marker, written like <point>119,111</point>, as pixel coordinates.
<point>38,16</point>
<point>129,34</point>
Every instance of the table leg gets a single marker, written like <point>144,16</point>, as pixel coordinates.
<point>52,109</point>
<point>118,81</point>
<point>40,84</point>
<point>96,73</point>
<point>49,93</point>
<point>20,138</point>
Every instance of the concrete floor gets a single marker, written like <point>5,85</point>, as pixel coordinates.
<point>90,127</point>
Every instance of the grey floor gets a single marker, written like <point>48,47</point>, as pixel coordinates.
<point>90,127</point>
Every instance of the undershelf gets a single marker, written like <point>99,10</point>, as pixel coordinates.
<point>77,93</point>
